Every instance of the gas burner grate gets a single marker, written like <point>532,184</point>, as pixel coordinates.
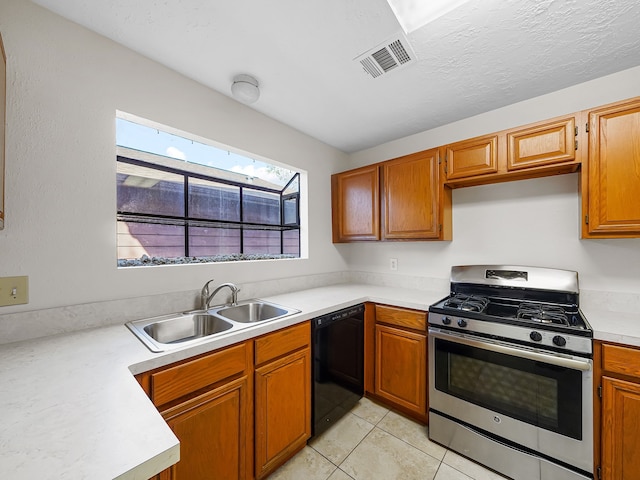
<point>542,313</point>
<point>467,303</point>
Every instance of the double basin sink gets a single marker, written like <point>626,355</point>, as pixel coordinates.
<point>181,329</point>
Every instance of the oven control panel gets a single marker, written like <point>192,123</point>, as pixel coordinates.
<point>538,337</point>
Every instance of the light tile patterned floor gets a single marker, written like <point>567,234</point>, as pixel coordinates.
<point>374,443</point>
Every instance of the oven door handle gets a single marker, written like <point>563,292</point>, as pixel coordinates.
<point>549,358</point>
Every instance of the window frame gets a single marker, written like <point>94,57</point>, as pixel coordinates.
<point>185,221</point>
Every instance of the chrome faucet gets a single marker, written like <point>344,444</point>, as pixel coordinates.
<point>204,295</point>
<point>231,286</point>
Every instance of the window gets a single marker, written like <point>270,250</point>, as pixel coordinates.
<point>186,201</point>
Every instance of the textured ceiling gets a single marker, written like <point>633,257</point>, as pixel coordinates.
<point>481,56</point>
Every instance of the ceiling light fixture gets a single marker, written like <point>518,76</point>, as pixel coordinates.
<point>413,14</point>
<point>245,88</point>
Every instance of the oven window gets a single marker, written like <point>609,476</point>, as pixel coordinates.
<point>540,394</point>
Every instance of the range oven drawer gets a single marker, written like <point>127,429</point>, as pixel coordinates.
<point>514,463</point>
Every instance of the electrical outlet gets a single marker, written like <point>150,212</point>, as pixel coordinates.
<point>14,291</point>
<point>393,264</point>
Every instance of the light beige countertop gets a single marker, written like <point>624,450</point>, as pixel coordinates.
<point>71,408</point>
<point>617,327</point>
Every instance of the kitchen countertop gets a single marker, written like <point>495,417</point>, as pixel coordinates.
<point>71,408</point>
<point>617,327</point>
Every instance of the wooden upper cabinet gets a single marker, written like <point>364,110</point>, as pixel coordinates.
<point>531,151</point>
<point>411,196</point>
<point>356,204</point>
<point>477,156</point>
<point>613,179</point>
<point>542,144</point>
<point>400,199</point>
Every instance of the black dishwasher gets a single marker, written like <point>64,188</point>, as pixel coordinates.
<point>338,365</point>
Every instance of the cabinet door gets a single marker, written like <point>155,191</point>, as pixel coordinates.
<point>356,205</point>
<point>614,171</point>
<point>3,102</point>
<point>401,368</point>
<point>282,410</point>
<point>620,427</point>
<point>477,156</point>
<point>214,433</point>
<point>411,188</point>
<point>540,145</point>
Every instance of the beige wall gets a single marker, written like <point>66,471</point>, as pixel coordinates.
<point>65,84</point>
<point>531,222</point>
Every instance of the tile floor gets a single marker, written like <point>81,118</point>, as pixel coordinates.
<point>374,443</point>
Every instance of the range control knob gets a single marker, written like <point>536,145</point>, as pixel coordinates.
<point>535,336</point>
<point>446,321</point>
<point>559,341</point>
<point>462,323</point>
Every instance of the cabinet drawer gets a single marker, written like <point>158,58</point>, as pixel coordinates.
<point>282,342</point>
<point>476,156</point>
<point>185,378</point>
<point>402,317</point>
<point>623,360</point>
<point>541,145</point>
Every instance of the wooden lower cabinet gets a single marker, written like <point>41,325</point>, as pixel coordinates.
<point>401,368</point>
<point>618,371</point>
<point>283,416</point>
<point>282,397</point>
<point>213,430</point>
<point>208,403</point>
<point>400,360</point>
<point>620,429</point>
<point>239,412</point>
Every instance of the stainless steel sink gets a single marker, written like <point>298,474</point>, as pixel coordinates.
<point>181,329</point>
<point>186,327</point>
<point>252,311</point>
<point>176,330</point>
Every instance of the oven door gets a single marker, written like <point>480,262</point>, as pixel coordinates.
<point>541,401</point>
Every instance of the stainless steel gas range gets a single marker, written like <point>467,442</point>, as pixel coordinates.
<point>511,372</point>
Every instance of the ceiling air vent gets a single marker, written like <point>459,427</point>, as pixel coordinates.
<point>391,55</point>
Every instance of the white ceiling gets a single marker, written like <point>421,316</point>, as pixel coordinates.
<point>481,56</point>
